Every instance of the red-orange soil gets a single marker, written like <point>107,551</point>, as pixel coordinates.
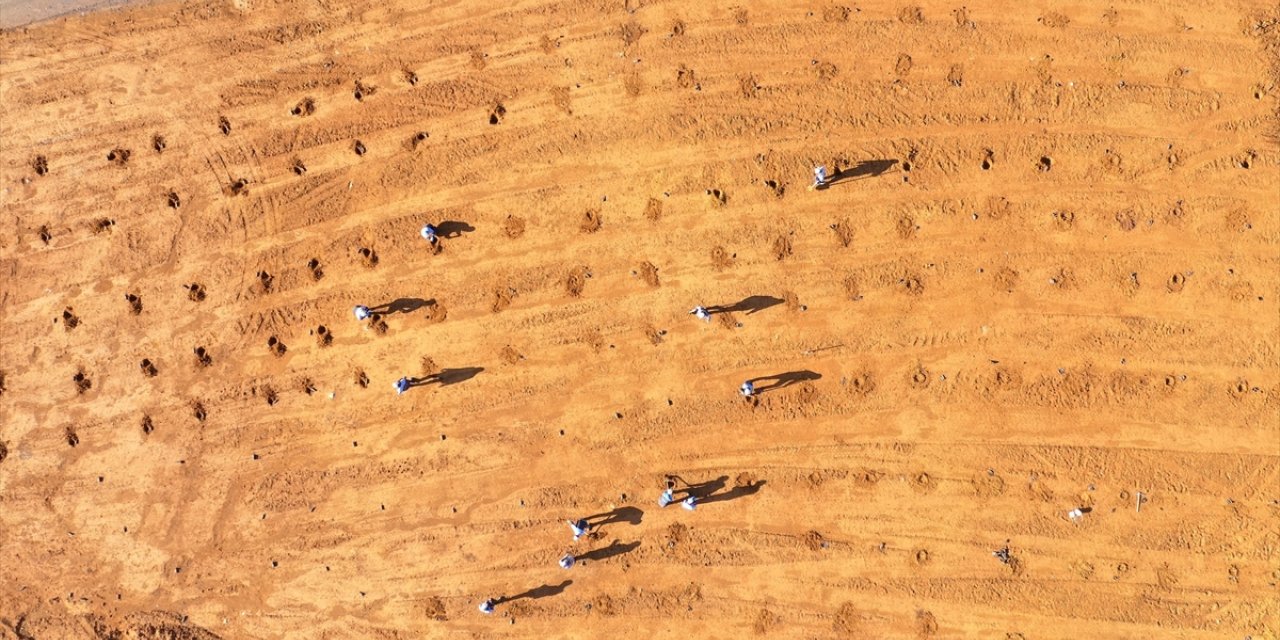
<point>1045,277</point>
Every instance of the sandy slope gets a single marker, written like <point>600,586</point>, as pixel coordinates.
<point>1046,277</point>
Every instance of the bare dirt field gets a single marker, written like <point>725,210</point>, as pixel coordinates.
<point>1044,277</point>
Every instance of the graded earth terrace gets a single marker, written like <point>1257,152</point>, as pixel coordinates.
<point>1043,279</point>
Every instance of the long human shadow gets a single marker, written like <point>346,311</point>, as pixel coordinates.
<point>544,591</point>
<point>453,228</point>
<point>784,379</point>
<point>749,304</point>
<point>401,305</point>
<point>704,489</point>
<point>866,168</point>
<point>616,548</point>
<point>631,515</point>
<point>446,377</point>
<point>734,493</point>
